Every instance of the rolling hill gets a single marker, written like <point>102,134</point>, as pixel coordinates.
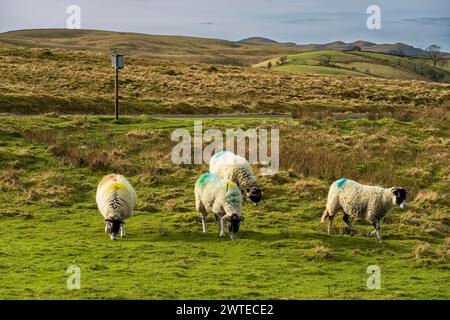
<point>400,49</point>
<point>37,81</point>
<point>334,62</point>
<point>180,48</point>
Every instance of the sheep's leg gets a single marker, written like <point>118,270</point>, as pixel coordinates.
<point>221,225</point>
<point>203,213</point>
<point>376,231</point>
<point>377,226</point>
<point>349,224</point>
<point>330,223</point>
<point>205,227</point>
<point>122,231</point>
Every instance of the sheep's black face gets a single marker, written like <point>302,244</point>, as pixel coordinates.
<point>233,225</point>
<point>400,196</point>
<point>254,194</point>
<point>113,227</point>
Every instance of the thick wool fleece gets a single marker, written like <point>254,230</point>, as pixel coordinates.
<point>370,202</point>
<point>115,197</point>
<point>227,165</point>
<point>219,196</point>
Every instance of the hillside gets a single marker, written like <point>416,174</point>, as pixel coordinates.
<point>334,62</point>
<point>40,80</point>
<point>180,48</point>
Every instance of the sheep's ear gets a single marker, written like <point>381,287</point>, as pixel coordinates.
<point>395,190</point>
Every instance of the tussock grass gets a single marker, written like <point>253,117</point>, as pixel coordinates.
<point>31,84</point>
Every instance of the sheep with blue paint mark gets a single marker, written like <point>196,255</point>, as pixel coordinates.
<point>116,200</point>
<point>221,197</point>
<point>369,202</point>
<point>227,165</point>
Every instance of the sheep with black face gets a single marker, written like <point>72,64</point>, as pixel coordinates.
<point>369,202</point>
<point>221,197</point>
<point>116,200</point>
<point>227,165</point>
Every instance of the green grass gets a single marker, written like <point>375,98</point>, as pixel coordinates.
<point>49,220</point>
<point>360,63</point>
<point>316,69</point>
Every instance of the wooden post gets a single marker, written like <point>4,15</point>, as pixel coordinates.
<point>118,62</point>
<point>117,91</point>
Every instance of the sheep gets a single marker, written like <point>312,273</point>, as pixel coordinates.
<point>369,202</point>
<point>116,200</point>
<point>227,165</point>
<point>221,197</point>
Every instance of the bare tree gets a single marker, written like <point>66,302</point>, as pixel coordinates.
<point>434,52</point>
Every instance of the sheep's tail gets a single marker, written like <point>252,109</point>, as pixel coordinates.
<point>325,216</point>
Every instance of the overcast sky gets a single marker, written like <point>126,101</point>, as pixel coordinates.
<point>416,22</point>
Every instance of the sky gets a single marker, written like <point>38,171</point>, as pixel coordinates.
<point>416,22</point>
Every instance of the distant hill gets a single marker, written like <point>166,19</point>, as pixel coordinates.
<point>180,48</point>
<point>244,52</point>
<point>258,40</point>
<point>388,48</point>
<point>262,40</point>
<point>358,63</point>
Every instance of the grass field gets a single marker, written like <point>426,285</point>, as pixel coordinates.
<point>50,166</point>
<point>39,81</point>
<point>368,64</point>
<point>170,48</point>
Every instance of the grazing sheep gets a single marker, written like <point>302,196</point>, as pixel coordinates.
<point>116,200</point>
<point>370,202</point>
<point>227,165</point>
<point>221,197</point>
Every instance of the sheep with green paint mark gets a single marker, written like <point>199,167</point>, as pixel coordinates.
<point>221,197</point>
<point>227,165</point>
<point>369,202</point>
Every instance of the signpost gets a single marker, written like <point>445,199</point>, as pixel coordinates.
<point>118,62</point>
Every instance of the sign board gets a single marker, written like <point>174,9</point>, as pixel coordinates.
<point>118,60</point>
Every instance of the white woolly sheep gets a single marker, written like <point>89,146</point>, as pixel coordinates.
<point>221,197</point>
<point>227,165</point>
<point>116,200</point>
<point>369,202</point>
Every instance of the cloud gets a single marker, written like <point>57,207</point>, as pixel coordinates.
<point>427,20</point>
<point>209,23</point>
